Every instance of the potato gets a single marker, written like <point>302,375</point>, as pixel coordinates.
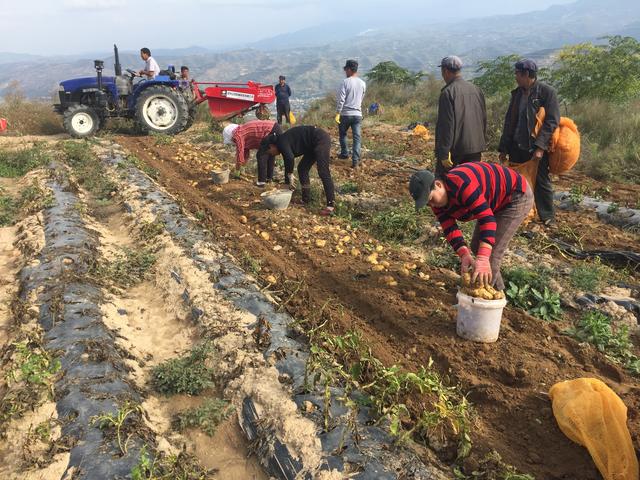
<point>265,235</point>
<point>373,258</point>
<point>243,219</point>
<point>355,252</point>
<point>320,243</point>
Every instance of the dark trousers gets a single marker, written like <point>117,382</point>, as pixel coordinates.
<point>458,160</point>
<point>283,109</point>
<point>320,156</point>
<point>266,162</point>
<point>507,222</point>
<point>544,188</point>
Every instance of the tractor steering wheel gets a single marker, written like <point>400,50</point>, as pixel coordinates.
<point>132,72</point>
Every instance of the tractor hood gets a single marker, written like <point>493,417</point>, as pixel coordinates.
<point>85,82</point>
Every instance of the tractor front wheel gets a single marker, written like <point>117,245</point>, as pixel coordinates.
<point>81,121</point>
<point>161,109</point>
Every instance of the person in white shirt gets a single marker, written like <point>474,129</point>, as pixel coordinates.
<point>151,67</point>
<point>349,111</point>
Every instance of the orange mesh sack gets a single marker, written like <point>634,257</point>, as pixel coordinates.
<point>592,415</point>
<point>565,147</point>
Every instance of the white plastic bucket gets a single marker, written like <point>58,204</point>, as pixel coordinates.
<point>220,177</point>
<point>479,319</point>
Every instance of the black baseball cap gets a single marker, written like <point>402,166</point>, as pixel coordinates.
<point>526,64</point>
<point>420,186</point>
<point>282,77</point>
<point>351,65</point>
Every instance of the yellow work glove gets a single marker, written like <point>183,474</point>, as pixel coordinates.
<point>447,163</point>
<point>337,119</point>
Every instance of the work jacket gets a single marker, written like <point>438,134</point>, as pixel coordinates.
<point>462,120</point>
<point>540,95</point>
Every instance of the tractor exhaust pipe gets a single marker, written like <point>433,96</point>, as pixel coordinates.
<point>99,65</point>
<point>117,66</point>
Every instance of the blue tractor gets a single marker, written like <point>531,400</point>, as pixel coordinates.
<point>162,105</point>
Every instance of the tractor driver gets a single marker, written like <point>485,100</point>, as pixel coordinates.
<point>151,67</point>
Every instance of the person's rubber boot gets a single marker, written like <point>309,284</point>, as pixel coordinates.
<point>306,194</point>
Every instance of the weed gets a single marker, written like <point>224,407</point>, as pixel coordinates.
<point>150,230</point>
<point>348,360</point>
<point>34,365</point>
<point>15,163</point>
<point>208,137</point>
<point>129,267</point>
<point>117,420</point>
<point>443,257</point>
<point>613,207</point>
<point>529,290</point>
<point>140,165</point>
<point>161,466</point>
<point>349,187</point>
<point>206,417</point>
<point>252,264</point>
<point>188,374</point>
<point>88,169</point>
<point>28,377</point>
<point>596,328</point>
<point>491,467</point>
<point>162,139</point>
<point>8,210</point>
<point>43,431</point>
<point>34,198</point>
<point>397,224</point>
<point>587,277</point>
<point>576,195</point>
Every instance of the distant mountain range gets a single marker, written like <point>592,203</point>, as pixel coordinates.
<point>312,58</point>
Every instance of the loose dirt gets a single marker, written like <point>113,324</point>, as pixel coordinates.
<point>409,323</point>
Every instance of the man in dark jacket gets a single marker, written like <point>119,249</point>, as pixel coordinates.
<point>314,144</point>
<point>517,139</point>
<point>283,92</point>
<point>462,119</point>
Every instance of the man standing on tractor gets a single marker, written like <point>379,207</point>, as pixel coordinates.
<point>518,140</point>
<point>151,68</point>
<point>349,111</point>
<point>283,92</point>
<point>498,197</point>
<point>314,144</point>
<point>462,119</point>
<point>248,137</point>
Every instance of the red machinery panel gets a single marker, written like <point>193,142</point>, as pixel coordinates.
<point>229,99</point>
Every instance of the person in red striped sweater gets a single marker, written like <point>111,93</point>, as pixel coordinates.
<point>494,195</point>
<point>248,137</point>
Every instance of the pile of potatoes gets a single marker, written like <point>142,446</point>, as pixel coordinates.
<point>486,292</point>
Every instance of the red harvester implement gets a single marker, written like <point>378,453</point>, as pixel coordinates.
<point>227,100</point>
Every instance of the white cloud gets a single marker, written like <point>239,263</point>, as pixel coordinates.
<point>94,4</point>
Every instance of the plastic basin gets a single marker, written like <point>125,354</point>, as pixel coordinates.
<point>276,200</point>
<point>479,319</point>
<point>220,177</point>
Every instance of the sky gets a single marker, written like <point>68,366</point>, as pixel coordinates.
<point>66,27</point>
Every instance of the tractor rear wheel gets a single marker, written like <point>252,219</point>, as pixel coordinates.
<point>81,121</point>
<point>161,109</point>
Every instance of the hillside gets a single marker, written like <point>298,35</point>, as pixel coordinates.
<point>312,58</point>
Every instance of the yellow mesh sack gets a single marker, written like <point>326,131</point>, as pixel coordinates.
<point>292,118</point>
<point>592,415</point>
<point>421,131</point>
<point>564,148</point>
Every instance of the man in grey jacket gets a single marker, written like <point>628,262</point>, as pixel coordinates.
<point>517,139</point>
<point>349,111</point>
<point>462,119</point>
